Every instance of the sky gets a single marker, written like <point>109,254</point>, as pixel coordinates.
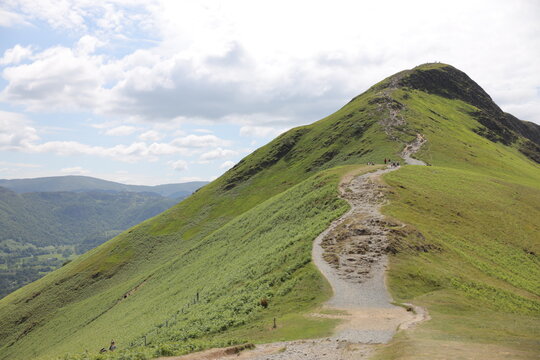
<point>166,91</point>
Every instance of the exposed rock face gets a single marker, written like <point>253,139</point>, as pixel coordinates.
<point>498,126</point>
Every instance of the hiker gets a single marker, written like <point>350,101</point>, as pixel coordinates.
<point>113,346</point>
<point>384,161</point>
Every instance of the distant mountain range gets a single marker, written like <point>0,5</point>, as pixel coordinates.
<point>85,183</point>
<point>44,222</point>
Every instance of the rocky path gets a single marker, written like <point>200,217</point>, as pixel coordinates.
<point>351,254</point>
<point>412,148</point>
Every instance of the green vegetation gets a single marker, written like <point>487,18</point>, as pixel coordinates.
<point>22,263</point>
<point>264,253</point>
<point>41,231</point>
<point>474,266</point>
<point>68,218</point>
<point>468,253</point>
<point>470,250</point>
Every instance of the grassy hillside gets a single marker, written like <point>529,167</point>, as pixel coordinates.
<point>264,253</point>
<point>469,252</point>
<point>93,283</point>
<point>248,234</point>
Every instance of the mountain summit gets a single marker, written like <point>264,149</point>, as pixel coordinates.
<point>217,268</point>
<point>449,82</point>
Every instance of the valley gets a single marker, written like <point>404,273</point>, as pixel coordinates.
<point>43,228</point>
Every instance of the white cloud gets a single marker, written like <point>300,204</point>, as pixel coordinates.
<point>179,165</point>
<point>260,131</point>
<point>103,125</point>
<point>10,19</point>
<point>217,154</point>
<point>18,134</point>
<point>227,165</point>
<point>80,15</point>
<point>151,135</point>
<point>123,130</point>
<point>87,45</point>
<point>16,54</point>
<point>200,141</point>
<point>16,131</point>
<point>20,165</point>
<point>58,79</point>
<point>191,178</point>
<point>76,170</point>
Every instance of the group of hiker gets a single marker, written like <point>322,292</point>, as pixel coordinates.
<point>391,163</point>
<point>387,162</point>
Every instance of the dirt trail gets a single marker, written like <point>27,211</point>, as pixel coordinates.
<point>412,148</point>
<point>350,253</point>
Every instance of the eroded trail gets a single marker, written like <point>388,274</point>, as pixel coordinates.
<point>351,254</point>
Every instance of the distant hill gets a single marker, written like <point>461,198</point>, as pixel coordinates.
<point>42,230</point>
<point>85,183</point>
<point>59,218</point>
<point>464,240</point>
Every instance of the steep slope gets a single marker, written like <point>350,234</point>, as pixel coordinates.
<point>75,183</point>
<point>248,234</point>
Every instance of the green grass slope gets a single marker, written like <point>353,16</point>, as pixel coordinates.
<point>248,235</point>
<point>34,317</point>
<point>469,252</point>
<point>264,253</point>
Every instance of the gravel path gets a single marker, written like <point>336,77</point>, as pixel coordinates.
<point>350,253</point>
<point>357,241</point>
<point>412,148</point>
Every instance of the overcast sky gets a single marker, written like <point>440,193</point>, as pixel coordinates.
<point>152,92</point>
